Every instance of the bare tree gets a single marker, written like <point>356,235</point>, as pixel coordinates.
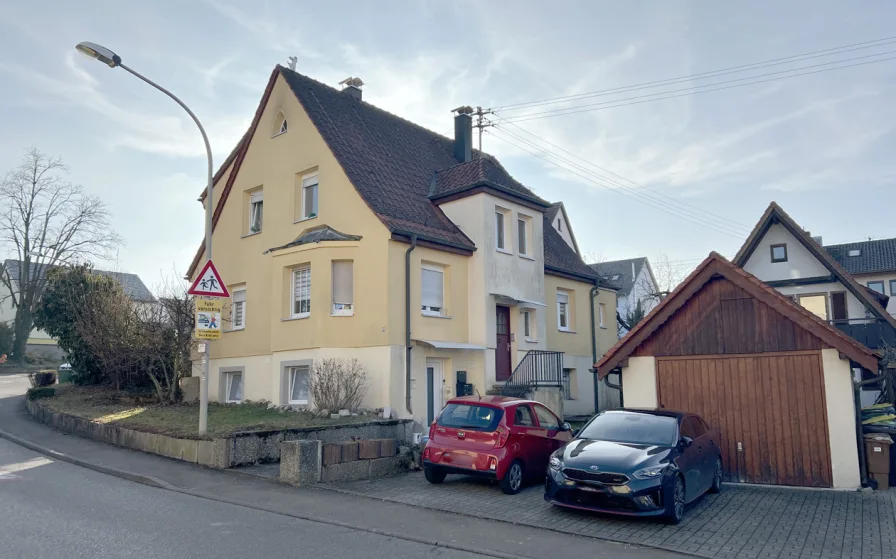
<point>46,221</point>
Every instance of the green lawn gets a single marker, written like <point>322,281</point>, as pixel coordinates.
<point>182,420</point>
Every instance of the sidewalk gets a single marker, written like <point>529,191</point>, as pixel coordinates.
<point>455,531</point>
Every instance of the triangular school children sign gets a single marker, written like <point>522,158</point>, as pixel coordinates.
<point>208,283</point>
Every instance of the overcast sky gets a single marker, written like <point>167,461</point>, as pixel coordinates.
<point>821,145</point>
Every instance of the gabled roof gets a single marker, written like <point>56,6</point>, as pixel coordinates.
<point>483,173</point>
<point>318,234</point>
<point>775,214</point>
<point>132,285</point>
<point>875,257</point>
<point>716,265</point>
<point>619,272</point>
<point>561,260</point>
<point>551,213</point>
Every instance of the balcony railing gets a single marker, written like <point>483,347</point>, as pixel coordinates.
<point>873,333</point>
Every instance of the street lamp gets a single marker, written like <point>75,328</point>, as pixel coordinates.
<point>109,58</point>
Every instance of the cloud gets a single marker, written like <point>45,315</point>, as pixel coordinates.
<point>272,30</point>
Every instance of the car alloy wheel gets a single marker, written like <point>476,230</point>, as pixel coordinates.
<point>678,505</point>
<point>717,478</point>
<point>513,479</point>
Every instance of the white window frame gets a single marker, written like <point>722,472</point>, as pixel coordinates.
<point>564,305</point>
<point>292,293</point>
<point>281,126</point>
<point>601,308</point>
<point>316,186</point>
<point>430,310</point>
<point>530,322</point>
<point>883,286</point>
<point>228,379</point>
<point>254,206</point>
<point>524,241</point>
<point>233,307</point>
<point>501,230</point>
<point>291,371</point>
<point>341,309</point>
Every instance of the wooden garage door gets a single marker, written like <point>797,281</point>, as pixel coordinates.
<point>769,409</point>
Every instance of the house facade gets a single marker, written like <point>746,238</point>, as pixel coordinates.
<point>39,342</point>
<point>872,264</point>
<point>345,231</point>
<point>637,286</point>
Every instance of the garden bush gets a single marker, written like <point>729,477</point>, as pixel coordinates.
<point>41,392</point>
<point>337,384</point>
<point>46,377</point>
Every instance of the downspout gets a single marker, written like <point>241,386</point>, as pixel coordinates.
<point>407,322</point>
<point>616,386</point>
<point>594,291</point>
<point>860,438</point>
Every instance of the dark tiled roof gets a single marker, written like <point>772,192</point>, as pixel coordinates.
<point>389,160</point>
<point>551,212</point>
<point>317,234</point>
<point>875,256</point>
<point>484,171</point>
<point>131,283</point>
<point>560,257</point>
<point>619,272</point>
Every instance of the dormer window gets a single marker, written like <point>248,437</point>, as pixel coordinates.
<point>855,252</point>
<point>280,125</point>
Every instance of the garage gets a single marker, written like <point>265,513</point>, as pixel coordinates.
<point>772,377</point>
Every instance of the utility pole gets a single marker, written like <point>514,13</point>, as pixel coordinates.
<point>482,122</point>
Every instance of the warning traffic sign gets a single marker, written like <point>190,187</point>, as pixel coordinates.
<point>208,319</point>
<point>208,283</point>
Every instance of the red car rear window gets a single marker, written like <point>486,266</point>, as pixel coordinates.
<point>470,416</point>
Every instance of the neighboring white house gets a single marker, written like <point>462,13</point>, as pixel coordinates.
<point>636,285</point>
<point>786,257</point>
<point>39,341</point>
<point>872,263</point>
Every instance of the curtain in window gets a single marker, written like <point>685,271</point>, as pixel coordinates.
<point>239,307</point>
<point>256,211</point>
<point>235,387</point>
<point>431,289</point>
<point>343,279</point>
<point>309,193</point>
<point>522,233</point>
<point>302,290</point>
<point>298,384</point>
<point>562,310</point>
<point>499,229</point>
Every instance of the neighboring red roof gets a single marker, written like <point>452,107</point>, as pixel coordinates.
<point>775,214</point>
<point>716,264</point>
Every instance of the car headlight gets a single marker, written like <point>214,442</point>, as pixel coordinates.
<point>554,463</point>
<point>651,472</point>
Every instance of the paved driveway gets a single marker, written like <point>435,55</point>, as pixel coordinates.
<point>742,522</point>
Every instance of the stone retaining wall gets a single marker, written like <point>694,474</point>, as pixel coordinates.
<point>250,447</point>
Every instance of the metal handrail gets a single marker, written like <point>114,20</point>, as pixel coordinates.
<point>536,368</point>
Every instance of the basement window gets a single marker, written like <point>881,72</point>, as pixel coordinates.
<point>234,386</point>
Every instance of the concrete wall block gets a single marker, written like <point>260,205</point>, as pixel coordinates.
<point>300,462</point>
<point>368,450</point>
<point>349,471</point>
<point>386,466</point>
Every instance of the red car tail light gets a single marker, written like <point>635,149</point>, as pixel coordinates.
<point>432,430</point>
<point>503,435</point>
<point>493,463</point>
<point>426,453</point>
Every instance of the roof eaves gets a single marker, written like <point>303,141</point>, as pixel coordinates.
<point>513,194</point>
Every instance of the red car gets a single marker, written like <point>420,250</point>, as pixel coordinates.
<point>505,439</point>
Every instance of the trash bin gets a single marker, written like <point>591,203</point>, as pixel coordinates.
<point>877,458</point>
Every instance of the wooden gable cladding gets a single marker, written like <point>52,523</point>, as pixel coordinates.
<point>722,318</point>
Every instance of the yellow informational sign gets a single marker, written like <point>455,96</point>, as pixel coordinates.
<point>208,319</point>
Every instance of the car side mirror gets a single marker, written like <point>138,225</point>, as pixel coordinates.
<point>565,426</point>
<point>686,442</point>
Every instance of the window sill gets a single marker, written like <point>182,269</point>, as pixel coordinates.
<point>504,251</point>
<point>278,134</point>
<point>527,257</point>
<point>235,330</point>
<point>566,330</point>
<point>531,341</point>
<point>298,403</point>
<point>434,315</point>
<point>304,219</point>
<point>250,234</point>
<point>342,313</point>
<point>233,401</point>
<point>297,317</point>
<point>603,327</point>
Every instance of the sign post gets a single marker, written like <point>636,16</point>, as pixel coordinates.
<point>210,287</point>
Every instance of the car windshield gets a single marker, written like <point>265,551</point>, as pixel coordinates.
<point>633,428</point>
<point>470,416</point>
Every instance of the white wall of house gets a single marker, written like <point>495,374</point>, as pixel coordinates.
<point>888,287</point>
<point>840,401</point>
<point>855,309</point>
<point>800,262</point>
<point>562,227</point>
<point>8,316</point>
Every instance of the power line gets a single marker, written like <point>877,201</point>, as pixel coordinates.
<point>689,91</point>
<point>622,192</point>
<point>704,75</point>
<point>725,221</point>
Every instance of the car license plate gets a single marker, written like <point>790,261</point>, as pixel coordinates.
<point>589,489</point>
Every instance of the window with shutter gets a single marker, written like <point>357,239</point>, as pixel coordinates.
<point>562,311</point>
<point>343,288</point>
<point>432,282</point>
<point>301,292</point>
<point>309,196</point>
<point>256,211</point>
<point>238,309</point>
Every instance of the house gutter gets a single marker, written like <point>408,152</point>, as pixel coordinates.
<point>593,294</point>
<point>407,321</point>
<point>616,386</point>
<point>860,439</point>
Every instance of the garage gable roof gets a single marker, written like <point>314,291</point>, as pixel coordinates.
<point>775,214</point>
<point>716,265</point>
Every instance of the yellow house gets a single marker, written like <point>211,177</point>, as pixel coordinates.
<point>342,230</point>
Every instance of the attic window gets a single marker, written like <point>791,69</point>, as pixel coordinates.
<point>280,125</point>
<point>855,252</point>
<point>559,226</point>
<point>779,253</point>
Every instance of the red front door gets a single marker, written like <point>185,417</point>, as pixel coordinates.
<point>502,346</point>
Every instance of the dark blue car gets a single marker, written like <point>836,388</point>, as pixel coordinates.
<point>636,462</point>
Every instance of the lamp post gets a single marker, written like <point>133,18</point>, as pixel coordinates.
<point>109,58</point>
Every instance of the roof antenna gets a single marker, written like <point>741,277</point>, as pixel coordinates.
<point>292,63</point>
<point>478,395</point>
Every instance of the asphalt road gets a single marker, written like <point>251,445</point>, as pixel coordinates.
<point>52,509</point>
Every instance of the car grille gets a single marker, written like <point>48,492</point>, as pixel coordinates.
<point>597,500</point>
<point>605,478</point>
